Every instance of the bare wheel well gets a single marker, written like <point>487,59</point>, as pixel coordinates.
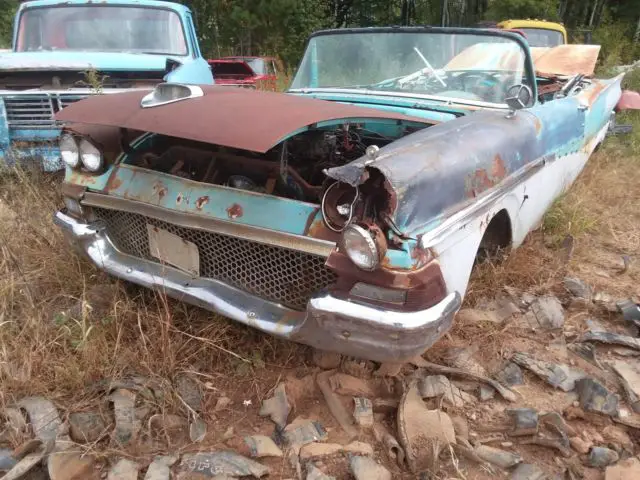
<point>496,240</point>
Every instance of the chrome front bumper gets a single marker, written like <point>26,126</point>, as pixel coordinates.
<point>329,323</point>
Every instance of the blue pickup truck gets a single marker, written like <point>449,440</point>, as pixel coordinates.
<point>64,51</point>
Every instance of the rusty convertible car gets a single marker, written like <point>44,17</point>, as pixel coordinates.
<point>348,212</point>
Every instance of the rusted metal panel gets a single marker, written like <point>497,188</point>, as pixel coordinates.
<point>629,100</point>
<point>237,118</point>
<point>568,60</point>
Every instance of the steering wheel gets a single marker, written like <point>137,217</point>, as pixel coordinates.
<point>493,92</point>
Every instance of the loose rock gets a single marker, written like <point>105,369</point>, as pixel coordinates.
<point>7,461</point>
<point>611,338</point>
<point>495,456</point>
<point>601,457</point>
<point>314,473</point>
<point>463,359</point>
<point>334,404</point>
<point>460,426</point>
<point>630,377</point>
<point>625,470</point>
<point>391,446</point>
<point>124,470</point>
<point>277,407</point>
<point>197,429</point>
<point>594,397</point>
<point>510,375</point>
<point>222,463</point>
<point>71,465</point>
<point>127,425</point>
<point>344,384</point>
<point>526,471</point>
<point>486,393</point>
<point>262,446</point>
<point>439,385</point>
<point>557,375</point>
<point>422,431</point>
<point>578,288</point>
<point>363,412</point>
<point>545,313</point>
<point>86,427</point>
<point>189,391</point>
<point>160,468</point>
<point>525,421</point>
<point>43,416</point>
<point>326,360</point>
<point>365,468</point>
<point>302,431</point>
<point>318,450</point>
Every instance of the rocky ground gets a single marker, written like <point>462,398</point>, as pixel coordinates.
<point>539,379</point>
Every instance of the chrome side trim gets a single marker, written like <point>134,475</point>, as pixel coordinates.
<point>247,232</point>
<point>382,93</point>
<point>483,204</point>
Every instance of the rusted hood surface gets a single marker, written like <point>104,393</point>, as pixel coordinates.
<point>566,60</point>
<point>231,117</point>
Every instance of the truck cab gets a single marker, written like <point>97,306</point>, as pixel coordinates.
<point>64,51</point>
<point>539,33</point>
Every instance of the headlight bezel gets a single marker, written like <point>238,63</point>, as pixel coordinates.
<point>374,250</point>
<point>85,144</point>
<point>67,137</point>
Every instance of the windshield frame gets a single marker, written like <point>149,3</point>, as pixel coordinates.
<point>187,39</point>
<point>529,69</point>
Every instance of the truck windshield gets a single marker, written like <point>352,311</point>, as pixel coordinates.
<point>101,28</point>
<point>543,37</point>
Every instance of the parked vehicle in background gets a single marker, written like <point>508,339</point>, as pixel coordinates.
<point>244,71</point>
<point>235,73</point>
<point>64,51</point>
<point>539,33</point>
<point>348,213</point>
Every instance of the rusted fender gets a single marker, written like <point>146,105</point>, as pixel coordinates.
<point>436,169</point>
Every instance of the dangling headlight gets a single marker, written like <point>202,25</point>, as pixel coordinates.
<point>360,247</point>
<point>69,150</point>
<point>90,155</point>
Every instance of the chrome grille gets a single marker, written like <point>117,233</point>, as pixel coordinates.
<point>278,274</point>
<point>36,111</point>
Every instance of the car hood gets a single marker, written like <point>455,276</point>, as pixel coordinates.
<point>76,60</point>
<point>231,117</point>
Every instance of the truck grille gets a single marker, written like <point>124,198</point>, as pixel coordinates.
<point>28,112</point>
<point>278,274</point>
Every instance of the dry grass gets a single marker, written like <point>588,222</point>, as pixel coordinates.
<point>128,331</point>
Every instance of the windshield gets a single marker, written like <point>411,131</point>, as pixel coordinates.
<point>256,64</point>
<point>101,28</point>
<point>542,37</point>
<point>461,66</point>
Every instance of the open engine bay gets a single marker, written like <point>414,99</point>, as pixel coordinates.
<point>292,169</point>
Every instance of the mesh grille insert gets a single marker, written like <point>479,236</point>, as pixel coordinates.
<point>278,274</point>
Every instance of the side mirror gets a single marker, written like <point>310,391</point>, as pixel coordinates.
<point>518,97</point>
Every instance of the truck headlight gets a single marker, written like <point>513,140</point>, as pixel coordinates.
<point>69,150</point>
<point>360,247</point>
<point>91,156</point>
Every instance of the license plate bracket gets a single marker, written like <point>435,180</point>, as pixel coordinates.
<point>173,250</point>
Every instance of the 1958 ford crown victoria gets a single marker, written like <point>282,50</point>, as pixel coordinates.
<point>345,214</point>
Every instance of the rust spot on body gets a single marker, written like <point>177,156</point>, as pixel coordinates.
<point>202,201</point>
<point>114,182</point>
<point>179,198</point>
<point>481,180</point>
<point>160,190</point>
<point>234,211</point>
<point>538,124</point>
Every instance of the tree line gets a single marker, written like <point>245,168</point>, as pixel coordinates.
<point>280,27</point>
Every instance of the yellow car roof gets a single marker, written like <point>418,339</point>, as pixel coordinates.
<point>533,24</point>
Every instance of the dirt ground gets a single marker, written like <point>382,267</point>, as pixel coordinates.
<point>69,332</point>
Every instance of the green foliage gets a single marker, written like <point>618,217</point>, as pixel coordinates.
<point>7,13</point>
<point>521,9</point>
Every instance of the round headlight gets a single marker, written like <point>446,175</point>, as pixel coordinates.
<point>360,247</point>
<point>90,155</point>
<point>69,150</point>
